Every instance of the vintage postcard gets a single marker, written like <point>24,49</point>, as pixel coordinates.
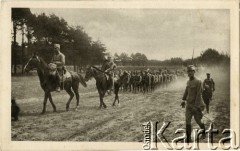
<point>119,75</point>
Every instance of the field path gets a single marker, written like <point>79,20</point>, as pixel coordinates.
<point>118,123</point>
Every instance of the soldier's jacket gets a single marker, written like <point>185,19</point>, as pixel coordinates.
<point>210,83</point>
<point>193,93</point>
<point>108,65</point>
<point>59,60</point>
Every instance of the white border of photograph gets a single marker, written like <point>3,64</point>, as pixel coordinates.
<point>5,67</point>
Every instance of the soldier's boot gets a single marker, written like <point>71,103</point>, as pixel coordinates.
<point>64,70</point>
<point>188,133</point>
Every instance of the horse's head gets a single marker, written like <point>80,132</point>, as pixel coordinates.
<point>32,63</point>
<point>125,77</point>
<point>89,73</point>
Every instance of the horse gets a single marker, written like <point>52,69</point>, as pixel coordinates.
<point>145,82</point>
<point>103,84</point>
<point>48,82</point>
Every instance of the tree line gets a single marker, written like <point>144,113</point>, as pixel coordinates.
<point>208,57</point>
<point>40,32</point>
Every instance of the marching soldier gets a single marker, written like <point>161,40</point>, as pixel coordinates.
<point>194,104</point>
<point>208,89</point>
<point>108,67</point>
<point>59,60</point>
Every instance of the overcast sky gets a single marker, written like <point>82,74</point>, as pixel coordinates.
<point>158,33</point>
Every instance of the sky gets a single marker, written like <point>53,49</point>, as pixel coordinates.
<point>158,33</point>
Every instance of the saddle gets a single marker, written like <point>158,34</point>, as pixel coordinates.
<point>115,78</point>
<point>63,73</point>
<point>66,75</point>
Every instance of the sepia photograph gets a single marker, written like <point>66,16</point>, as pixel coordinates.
<point>123,75</point>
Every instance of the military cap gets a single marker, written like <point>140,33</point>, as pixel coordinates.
<point>56,46</point>
<point>191,68</point>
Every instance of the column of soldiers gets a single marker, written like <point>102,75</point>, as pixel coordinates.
<point>148,81</point>
<point>192,98</point>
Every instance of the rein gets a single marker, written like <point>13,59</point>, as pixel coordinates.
<point>97,69</point>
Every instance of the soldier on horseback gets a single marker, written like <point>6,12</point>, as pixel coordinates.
<point>108,68</point>
<point>59,60</point>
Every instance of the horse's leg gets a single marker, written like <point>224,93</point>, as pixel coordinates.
<point>116,94</point>
<point>115,97</point>
<point>75,90</point>
<point>114,101</point>
<point>100,98</point>
<point>51,101</point>
<point>104,105</point>
<point>207,105</point>
<point>70,92</point>
<point>46,95</point>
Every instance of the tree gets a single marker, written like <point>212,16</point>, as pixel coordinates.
<point>213,57</point>
<point>125,59</point>
<point>80,45</point>
<point>139,59</point>
<point>50,28</point>
<point>42,31</point>
<point>97,52</point>
<point>19,18</point>
<point>209,56</point>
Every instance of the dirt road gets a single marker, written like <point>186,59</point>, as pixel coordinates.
<point>119,123</point>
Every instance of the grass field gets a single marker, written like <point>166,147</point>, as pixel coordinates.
<point>119,123</point>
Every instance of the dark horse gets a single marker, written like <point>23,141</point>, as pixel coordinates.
<point>48,82</point>
<point>103,84</point>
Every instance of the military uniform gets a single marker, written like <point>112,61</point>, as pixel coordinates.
<point>208,88</point>
<point>108,67</point>
<point>194,104</point>
<point>59,60</point>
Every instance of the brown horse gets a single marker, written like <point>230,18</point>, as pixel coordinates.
<point>48,82</point>
<point>103,84</point>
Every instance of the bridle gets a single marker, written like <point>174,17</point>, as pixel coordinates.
<point>31,60</point>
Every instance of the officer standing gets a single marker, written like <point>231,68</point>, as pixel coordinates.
<point>59,60</point>
<point>194,104</point>
<point>208,89</point>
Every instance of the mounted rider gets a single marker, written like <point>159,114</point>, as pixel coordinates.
<point>108,68</point>
<point>59,61</point>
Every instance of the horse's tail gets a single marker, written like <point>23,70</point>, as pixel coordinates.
<point>82,81</point>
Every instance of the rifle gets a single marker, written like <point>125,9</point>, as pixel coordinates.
<point>193,57</point>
